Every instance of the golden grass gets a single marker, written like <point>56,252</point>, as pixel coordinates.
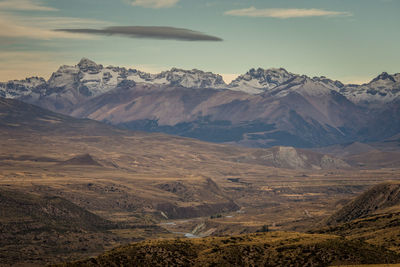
<point>263,249</point>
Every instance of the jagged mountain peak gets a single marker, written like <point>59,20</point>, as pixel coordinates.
<point>267,74</point>
<point>384,76</point>
<point>258,80</point>
<point>382,89</point>
<point>86,61</point>
<point>279,82</point>
<point>86,65</point>
<point>190,78</point>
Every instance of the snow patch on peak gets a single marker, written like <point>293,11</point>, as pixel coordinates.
<point>94,79</point>
<point>20,88</point>
<point>385,77</point>
<point>191,78</point>
<point>383,89</point>
<point>259,80</point>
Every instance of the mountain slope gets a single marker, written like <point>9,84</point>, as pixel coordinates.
<point>20,120</point>
<point>373,217</point>
<point>45,227</point>
<point>374,201</point>
<point>228,116</point>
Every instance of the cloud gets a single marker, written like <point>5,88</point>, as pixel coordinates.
<point>284,13</point>
<point>51,22</point>
<point>154,3</point>
<point>10,29</point>
<point>24,5</point>
<point>39,28</point>
<point>152,32</point>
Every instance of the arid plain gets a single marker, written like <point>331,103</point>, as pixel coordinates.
<point>149,186</point>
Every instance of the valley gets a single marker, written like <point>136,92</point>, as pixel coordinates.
<point>152,185</point>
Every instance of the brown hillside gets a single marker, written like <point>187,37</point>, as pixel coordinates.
<point>375,200</point>
<point>36,228</point>
<point>264,249</point>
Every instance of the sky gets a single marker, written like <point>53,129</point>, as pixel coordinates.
<point>349,40</point>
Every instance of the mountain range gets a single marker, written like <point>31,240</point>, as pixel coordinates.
<point>261,108</point>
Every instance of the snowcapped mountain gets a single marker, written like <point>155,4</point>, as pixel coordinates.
<point>280,82</point>
<point>383,89</point>
<point>92,79</point>
<point>263,107</point>
<point>88,79</point>
<point>256,81</point>
<point>70,85</point>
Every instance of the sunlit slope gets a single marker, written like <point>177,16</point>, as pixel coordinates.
<point>264,249</point>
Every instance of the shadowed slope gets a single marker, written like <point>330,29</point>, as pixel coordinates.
<point>43,226</point>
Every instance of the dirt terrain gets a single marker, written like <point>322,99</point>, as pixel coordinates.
<point>160,186</point>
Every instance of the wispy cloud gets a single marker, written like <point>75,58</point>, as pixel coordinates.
<point>13,26</point>
<point>152,32</point>
<point>284,13</point>
<point>24,5</point>
<point>51,22</point>
<point>154,3</point>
